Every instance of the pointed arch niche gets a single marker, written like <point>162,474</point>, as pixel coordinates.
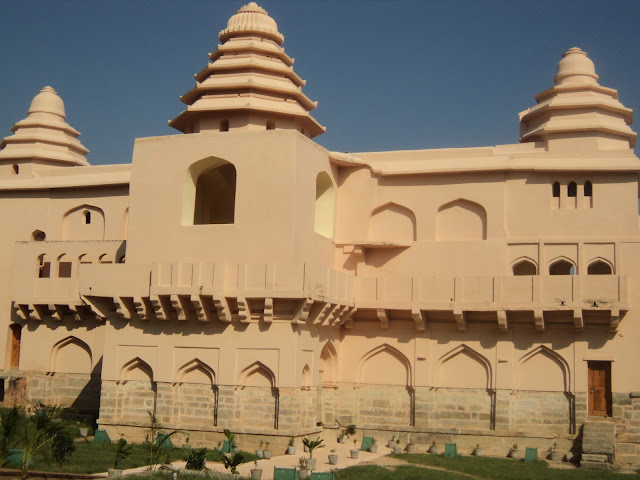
<point>85,222</point>
<point>543,382</point>
<point>136,392</point>
<point>329,369</point>
<point>544,370</point>
<point>392,223</point>
<point>524,266</point>
<point>324,206</point>
<point>385,389</point>
<point>464,380</point>
<point>258,397</point>
<point>71,355</point>
<point>209,193</point>
<point>305,379</point>
<point>599,266</point>
<point>197,394</point>
<point>461,220</point>
<point>463,367</point>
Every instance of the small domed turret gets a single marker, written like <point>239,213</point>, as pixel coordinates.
<point>575,67</point>
<point>252,18</point>
<point>47,101</point>
<point>578,114</point>
<point>44,137</point>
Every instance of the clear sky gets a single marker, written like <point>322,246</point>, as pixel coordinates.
<point>388,74</point>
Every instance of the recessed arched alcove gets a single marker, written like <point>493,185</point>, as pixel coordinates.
<point>464,379</point>
<point>329,380</point>
<point>543,391</point>
<point>197,394</point>
<point>136,392</point>
<point>71,355</point>
<point>324,206</point>
<point>392,223</point>
<point>599,266</point>
<point>258,397</point>
<point>524,266</point>
<point>562,266</point>
<point>385,390</point>
<point>461,220</point>
<point>209,193</point>
<point>85,222</point>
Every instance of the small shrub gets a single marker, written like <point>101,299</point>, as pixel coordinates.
<point>62,447</point>
<point>197,459</point>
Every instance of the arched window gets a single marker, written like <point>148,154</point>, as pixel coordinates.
<point>87,217</point>
<point>215,196</point>
<point>556,189</point>
<point>38,236</point>
<point>324,208</point>
<point>525,267</point>
<point>562,267</point>
<point>64,266</point>
<point>209,193</point>
<point>572,189</point>
<point>271,125</point>
<point>599,268</point>
<point>44,266</point>
<point>588,189</point>
<point>224,125</point>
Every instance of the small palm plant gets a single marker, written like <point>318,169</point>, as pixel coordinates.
<point>312,445</point>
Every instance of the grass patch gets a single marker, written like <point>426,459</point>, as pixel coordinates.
<point>92,458</point>
<point>408,472</point>
<point>185,476</point>
<point>502,468</point>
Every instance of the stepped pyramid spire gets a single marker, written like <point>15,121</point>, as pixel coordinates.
<point>249,84</point>
<point>44,135</point>
<point>578,107</point>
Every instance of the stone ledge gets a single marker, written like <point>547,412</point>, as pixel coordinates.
<point>594,465</point>
<point>594,457</point>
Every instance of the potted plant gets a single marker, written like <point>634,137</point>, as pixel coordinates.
<point>266,452</point>
<point>256,473</point>
<point>346,432</point>
<point>186,443</point>
<point>553,453</point>
<point>291,449</point>
<point>354,451</point>
<point>411,447</point>
<point>219,447</point>
<point>122,452</point>
<point>303,469</point>
<point>373,448</point>
<point>433,449</point>
<point>513,452</point>
<point>396,448</point>
<point>311,446</point>
<point>392,442</point>
<point>478,450</point>
<point>333,457</point>
<point>260,452</point>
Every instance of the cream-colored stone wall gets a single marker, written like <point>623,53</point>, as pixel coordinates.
<point>241,276</point>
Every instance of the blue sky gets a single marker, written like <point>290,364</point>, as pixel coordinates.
<point>387,74</point>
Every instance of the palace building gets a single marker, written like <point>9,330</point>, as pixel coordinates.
<point>238,275</point>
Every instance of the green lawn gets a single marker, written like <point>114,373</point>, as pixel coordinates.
<point>502,468</point>
<point>92,458</point>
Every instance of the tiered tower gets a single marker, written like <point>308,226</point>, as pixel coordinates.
<point>43,138</point>
<point>249,84</point>
<point>578,107</point>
